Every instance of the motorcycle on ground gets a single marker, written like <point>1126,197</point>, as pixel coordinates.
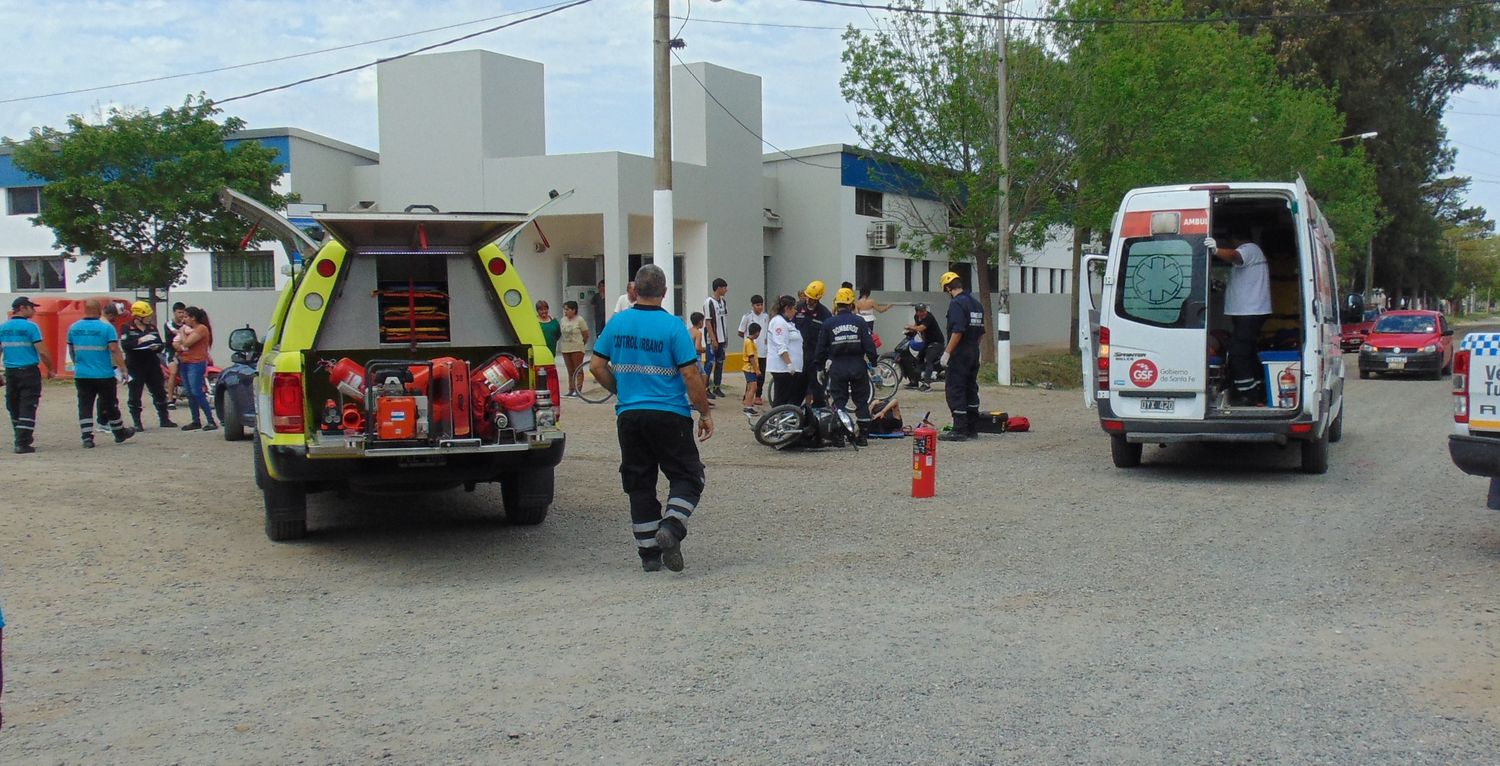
<point>806,426</point>
<point>907,357</point>
<point>234,388</point>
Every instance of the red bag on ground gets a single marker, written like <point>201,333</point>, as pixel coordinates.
<point>1018,423</point>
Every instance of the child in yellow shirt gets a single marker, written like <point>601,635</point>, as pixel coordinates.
<point>751,366</point>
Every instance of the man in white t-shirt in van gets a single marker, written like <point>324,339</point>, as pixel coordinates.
<point>1247,303</point>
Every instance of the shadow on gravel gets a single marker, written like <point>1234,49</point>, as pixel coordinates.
<point>447,518</point>
<point>1210,462</point>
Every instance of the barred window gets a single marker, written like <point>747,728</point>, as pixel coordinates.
<point>252,270</point>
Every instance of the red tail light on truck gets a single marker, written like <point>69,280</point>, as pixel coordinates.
<point>286,403</point>
<point>1461,386</point>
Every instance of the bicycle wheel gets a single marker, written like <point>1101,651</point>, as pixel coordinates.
<point>885,379</point>
<point>589,389</point>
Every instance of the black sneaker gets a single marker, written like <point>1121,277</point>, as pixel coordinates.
<point>912,386</point>
<point>925,387</point>
<point>953,436</point>
<point>193,426</point>
<point>210,426</point>
<point>671,548</point>
<point>651,563</point>
<point>167,423</point>
<point>24,449</point>
<point>123,434</point>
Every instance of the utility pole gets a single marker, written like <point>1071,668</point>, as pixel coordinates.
<point>1370,270</point>
<point>661,197</point>
<point>1002,314</point>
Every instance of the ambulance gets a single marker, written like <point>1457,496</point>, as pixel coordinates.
<point>404,355</point>
<point>1156,334</point>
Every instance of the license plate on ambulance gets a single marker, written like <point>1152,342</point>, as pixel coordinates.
<point>1158,405</point>
<point>422,461</point>
<point>1396,362</point>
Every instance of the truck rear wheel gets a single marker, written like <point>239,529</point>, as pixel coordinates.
<point>527,497</point>
<point>285,501</point>
<point>1125,454</point>
<point>1315,455</point>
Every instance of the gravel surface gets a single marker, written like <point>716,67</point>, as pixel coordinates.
<point>1213,606</point>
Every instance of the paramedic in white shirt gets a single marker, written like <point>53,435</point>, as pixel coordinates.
<point>1247,303</point>
<point>627,300</point>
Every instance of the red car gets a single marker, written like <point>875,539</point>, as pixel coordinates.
<point>1418,342</point>
<point>1352,334</point>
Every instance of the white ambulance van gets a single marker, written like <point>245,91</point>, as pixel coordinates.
<point>1474,444</point>
<point>1156,338</point>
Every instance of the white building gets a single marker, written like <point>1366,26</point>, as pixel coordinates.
<point>465,131</point>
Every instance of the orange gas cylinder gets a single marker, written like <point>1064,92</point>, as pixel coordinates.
<point>923,460</point>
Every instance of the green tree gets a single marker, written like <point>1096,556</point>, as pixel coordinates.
<point>925,90</point>
<point>140,189</point>
<point>1202,102</point>
<point>1394,66</point>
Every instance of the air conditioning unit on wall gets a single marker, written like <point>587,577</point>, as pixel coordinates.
<point>882,235</point>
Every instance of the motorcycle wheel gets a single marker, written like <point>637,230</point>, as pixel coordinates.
<point>780,427</point>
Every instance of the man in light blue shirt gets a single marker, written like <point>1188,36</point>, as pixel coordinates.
<point>97,366</point>
<point>647,358</point>
<point>25,353</point>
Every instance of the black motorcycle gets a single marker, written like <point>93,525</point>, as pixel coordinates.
<point>794,425</point>
<point>234,391</point>
<point>909,361</point>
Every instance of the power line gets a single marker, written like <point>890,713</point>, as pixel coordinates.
<point>770,24</point>
<point>277,59</point>
<point>1475,148</point>
<point>1101,20</point>
<point>741,123</point>
<point>347,70</point>
<point>1474,114</point>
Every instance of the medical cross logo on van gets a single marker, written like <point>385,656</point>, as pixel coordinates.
<point>1143,373</point>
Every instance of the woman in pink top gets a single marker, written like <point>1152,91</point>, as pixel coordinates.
<point>192,345</point>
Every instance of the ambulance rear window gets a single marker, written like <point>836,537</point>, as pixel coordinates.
<point>1162,282</point>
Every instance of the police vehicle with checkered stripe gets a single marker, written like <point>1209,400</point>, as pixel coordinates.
<point>1475,441</point>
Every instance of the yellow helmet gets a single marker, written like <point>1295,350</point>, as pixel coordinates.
<point>844,296</point>
<point>814,290</point>
<point>141,309</point>
<point>947,277</point>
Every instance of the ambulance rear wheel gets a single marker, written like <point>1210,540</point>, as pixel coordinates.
<point>1315,454</point>
<point>1125,454</point>
<point>1336,428</point>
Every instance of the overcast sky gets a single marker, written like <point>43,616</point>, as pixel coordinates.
<point>597,58</point>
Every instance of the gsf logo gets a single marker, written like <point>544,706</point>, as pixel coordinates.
<point>1142,373</point>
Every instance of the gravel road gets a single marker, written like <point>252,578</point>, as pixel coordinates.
<point>1213,606</point>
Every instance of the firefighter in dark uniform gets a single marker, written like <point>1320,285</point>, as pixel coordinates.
<point>809,320</point>
<point>143,345</point>
<point>965,326</point>
<point>846,342</point>
<point>24,352</point>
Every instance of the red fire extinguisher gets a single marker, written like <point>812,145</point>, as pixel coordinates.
<point>923,459</point>
<point>1286,387</point>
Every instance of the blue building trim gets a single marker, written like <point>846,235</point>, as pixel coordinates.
<point>10,175</point>
<point>282,145</point>
<point>869,173</point>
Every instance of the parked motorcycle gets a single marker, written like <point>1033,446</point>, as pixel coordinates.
<point>907,357</point>
<point>234,388</point>
<point>794,425</point>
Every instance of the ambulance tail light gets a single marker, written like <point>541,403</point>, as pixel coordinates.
<point>1102,363</point>
<point>287,406</point>
<point>1461,386</point>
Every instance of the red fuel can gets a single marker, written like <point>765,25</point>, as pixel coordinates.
<point>923,460</point>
